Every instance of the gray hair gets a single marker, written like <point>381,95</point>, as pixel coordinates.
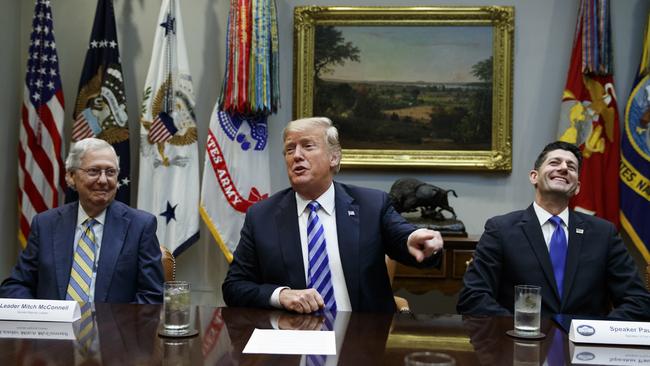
<point>80,148</point>
<point>331,134</point>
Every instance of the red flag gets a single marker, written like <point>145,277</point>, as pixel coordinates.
<point>40,146</point>
<point>589,115</point>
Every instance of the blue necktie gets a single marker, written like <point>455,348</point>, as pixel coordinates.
<point>557,250</point>
<point>328,324</point>
<point>555,356</point>
<point>320,277</point>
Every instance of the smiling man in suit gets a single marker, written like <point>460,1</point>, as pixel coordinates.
<point>578,260</point>
<point>321,244</point>
<point>96,249</point>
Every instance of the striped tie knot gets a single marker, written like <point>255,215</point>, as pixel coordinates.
<point>313,206</point>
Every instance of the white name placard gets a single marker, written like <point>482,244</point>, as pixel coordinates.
<point>36,330</point>
<point>609,332</point>
<point>599,355</point>
<point>39,310</point>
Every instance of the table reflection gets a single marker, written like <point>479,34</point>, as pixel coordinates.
<point>494,347</point>
<point>127,335</point>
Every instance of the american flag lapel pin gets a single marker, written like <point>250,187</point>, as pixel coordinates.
<point>579,230</point>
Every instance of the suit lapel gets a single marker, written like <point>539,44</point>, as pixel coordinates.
<point>347,227</point>
<point>576,224</point>
<point>532,231</point>
<point>115,229</point>
<point>63,246</point>
<point>289,240</point>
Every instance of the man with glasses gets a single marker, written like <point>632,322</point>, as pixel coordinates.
<point>93,250</point>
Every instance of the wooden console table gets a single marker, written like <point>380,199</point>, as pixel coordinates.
<point>448,279</point>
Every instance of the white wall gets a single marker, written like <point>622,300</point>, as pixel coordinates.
<point>10,98</point>
<point>543,37</point>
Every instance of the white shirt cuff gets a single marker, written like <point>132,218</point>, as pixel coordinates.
<point>275,297</point>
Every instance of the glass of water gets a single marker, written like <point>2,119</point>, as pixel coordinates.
<point>528,306</point>
<point>429,359</point>
<point>176,307</point>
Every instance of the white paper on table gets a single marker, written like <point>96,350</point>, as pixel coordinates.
<point>291,342</point>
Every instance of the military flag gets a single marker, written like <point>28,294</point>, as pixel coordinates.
<point>236,171</point>
<point>40,142</point>
<point>169,165</point>
<point>216,347</point>
<point>635,157</point>
<point>100,108</point>
<point>589,114</point>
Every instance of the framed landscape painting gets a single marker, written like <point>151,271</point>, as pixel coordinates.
<point>409,86</point>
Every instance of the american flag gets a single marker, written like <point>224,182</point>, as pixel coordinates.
<point>41,170</point>
<point>81,129</point>
<point>162,128</point>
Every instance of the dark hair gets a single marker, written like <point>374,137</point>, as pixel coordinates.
<point>558,145</point>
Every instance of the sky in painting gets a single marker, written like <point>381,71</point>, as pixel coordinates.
<point>418,53</point>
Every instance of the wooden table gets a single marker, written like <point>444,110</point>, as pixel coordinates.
<point>448,279</point>
<point>128,336</point>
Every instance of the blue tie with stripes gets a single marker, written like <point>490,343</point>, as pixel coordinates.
<point>83,263</point>
<point>557,250</point>
<point>328,324</point>
<point>320,277</point>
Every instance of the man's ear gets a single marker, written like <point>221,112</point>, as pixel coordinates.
<point>334,159</point>
<point>69,180</point>
<point>577,190</point>
<point>532,176</point>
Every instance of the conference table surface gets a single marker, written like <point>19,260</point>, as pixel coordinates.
<point>128,335</point>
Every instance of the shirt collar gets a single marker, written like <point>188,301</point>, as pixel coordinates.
<point>543,215</point>
<point>326,201</point>
<point>83,216</point>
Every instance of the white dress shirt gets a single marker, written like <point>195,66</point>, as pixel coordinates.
<point>98,229</point>
<point>327,216</point>
<point>548,227</point>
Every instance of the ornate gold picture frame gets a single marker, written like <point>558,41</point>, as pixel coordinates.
<point>409,86</point>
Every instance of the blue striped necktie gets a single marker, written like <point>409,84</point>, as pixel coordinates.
<point>557,250</point>
<point>83,263</point>
<point>320,277</point>
<point>328,324</point>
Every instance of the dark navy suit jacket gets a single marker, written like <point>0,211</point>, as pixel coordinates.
<point>600,277</point>
<point>129,268</point>
<point>269,253</point>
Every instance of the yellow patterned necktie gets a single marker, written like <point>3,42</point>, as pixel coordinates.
<point>87,331</point>
<point>81,273</point>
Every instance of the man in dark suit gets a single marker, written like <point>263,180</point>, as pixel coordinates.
<point>95,249</point>
<point>322,244</point>
<point>593,274</point>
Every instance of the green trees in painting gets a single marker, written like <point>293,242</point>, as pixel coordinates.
<point>400,115</point>
<point>332,49</point>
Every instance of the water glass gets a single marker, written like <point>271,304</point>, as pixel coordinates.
<point>429,359</point>
<point>528,306</point>
<point>526,354</point>
<point>176,307</point>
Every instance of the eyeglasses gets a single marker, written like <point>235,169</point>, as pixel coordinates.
<point>96,172</point>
